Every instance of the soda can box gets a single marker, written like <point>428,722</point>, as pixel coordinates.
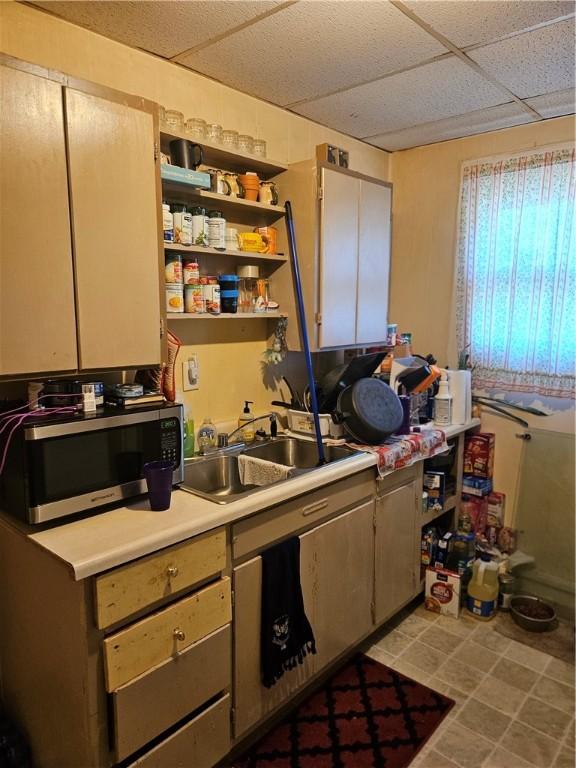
<point>479,454</point>
<point>443,591</point>
<point>476,486</point>
<point>197,179</point>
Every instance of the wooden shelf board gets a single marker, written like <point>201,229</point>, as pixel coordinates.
<point>235,209</point>
<point>225,316</point>
<point>228,159</point>
<point>215,252</point>
<point>432,515</point>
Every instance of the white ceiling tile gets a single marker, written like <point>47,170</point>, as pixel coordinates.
<point>465,22</point>
<point>164,27</point>
<point>313,48</point>
<point>555,104</point>
<point>533,63</point>
<point>479,121</point>
<point>433,91</point>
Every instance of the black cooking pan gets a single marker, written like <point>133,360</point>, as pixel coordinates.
<point>369,411</point>
<point>344,376</point>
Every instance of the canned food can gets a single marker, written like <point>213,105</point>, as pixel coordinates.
<point>174,268</point>
<point>193,299</point>
<point>211,293</point>
<point>175,297</point>
<point>191,273</point>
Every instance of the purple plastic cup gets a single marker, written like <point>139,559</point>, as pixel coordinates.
<point>158,476</point>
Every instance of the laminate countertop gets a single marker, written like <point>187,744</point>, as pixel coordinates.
<point>99,542</point>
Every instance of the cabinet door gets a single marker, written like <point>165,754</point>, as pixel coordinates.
<point>396,550</point>
<point>116,247</point>
<point>336,572</point>
<point>338,262</point>
<point>37,322</point>
<point>373,262</point>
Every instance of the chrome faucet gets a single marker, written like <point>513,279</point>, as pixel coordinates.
<point>223,438</point>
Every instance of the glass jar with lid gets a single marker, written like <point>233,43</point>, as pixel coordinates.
<point>230,139</point>
<point>174,120</point>
<point>245,143</point>
<point>196,127</point>
<point>214,133</point>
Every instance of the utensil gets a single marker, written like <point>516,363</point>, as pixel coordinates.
<point>369,411</point>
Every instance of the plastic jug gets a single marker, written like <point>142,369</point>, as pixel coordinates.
<point>482,597</point>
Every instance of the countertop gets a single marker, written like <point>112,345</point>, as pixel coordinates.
<point>95,544</point>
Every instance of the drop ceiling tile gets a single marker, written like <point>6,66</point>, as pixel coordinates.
<point>484,20</point>
<point>533,63</point>
<point>313,48</point>
<point>166,27</point>
<point>430,92</point>
<point>555,104</point>
<point>479,121</point>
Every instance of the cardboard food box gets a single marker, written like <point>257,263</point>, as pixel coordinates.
<point>476,486</point>
<point>477,507</point>
<point>443,590</point>
<point>443,550</point>
<point>479,454</point>
<point>435,485</point>
<point>496,509</point>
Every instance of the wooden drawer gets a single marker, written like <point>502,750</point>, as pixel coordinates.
<point>147,706</point>
<point>288,518</point>
<point>199,744</point>
<point>128,589</point>
<point>148,642</point>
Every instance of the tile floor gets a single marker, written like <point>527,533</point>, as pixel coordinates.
<point>514,704</point>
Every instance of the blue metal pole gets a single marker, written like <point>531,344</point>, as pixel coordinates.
<point>304,330</point>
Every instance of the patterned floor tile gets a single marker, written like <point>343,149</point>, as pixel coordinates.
<point>549,720</point>
<point>530,745</point>
<point>483,719</point>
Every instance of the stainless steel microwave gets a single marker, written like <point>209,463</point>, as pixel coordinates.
<point>56,468</point>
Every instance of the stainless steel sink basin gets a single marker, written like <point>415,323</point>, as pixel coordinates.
<point>302,454</point>
<point>216,477</point>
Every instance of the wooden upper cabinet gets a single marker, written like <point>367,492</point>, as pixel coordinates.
<point>37,320</point>
<point>113,189</point>
<point>375,213</point>
<point>338,258</point>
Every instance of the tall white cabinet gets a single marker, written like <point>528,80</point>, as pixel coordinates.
<point>343,225</point>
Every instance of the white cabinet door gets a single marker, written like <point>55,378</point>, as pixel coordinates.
<point>373,262</point>
<point>37,321</point>
<point>338,261</point>
<point>397,568</point>
<point>116,246</point>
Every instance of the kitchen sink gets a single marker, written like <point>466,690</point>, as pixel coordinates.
<point>216,477</point>
<point>301,454</point>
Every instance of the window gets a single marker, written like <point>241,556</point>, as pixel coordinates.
<point>516,274</point>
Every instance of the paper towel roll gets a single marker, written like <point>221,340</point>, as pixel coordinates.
<point>460,383</point>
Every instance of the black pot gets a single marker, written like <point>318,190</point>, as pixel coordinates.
<point>369,411</point>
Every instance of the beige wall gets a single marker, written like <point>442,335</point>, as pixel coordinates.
<point>426,186</point>
<point>230,352</point>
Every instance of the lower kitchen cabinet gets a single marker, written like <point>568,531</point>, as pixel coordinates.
<point>336,568</point>
<point>397,541</point>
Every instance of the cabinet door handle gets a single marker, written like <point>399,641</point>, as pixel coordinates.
<point>171,571</point>
<point>179,635</point>
<point>316,507</point>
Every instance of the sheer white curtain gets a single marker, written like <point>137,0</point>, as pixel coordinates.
<point>516,274</point>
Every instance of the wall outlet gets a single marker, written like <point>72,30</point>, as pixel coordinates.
<point>190,374</point>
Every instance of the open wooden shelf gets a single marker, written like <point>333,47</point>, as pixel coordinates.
<point>204,251</point>
<point>235,209</point>
<point>224,316</point>
<point>433,514</point>
<point>218,156</point>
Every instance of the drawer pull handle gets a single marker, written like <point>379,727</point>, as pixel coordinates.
<point>179,635</point>
<point>172,571</point>
<point>316,507</point>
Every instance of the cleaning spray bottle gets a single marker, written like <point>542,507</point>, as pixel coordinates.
<point>248,431</point>
<point>443,403</point>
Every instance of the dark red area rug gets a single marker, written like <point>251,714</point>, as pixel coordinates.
<point>366,716</point>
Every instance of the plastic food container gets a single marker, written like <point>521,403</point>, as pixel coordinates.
<point>303,422</point>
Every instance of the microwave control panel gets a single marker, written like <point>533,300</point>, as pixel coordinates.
<point>170,440</point>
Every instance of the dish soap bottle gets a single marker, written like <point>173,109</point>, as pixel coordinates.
<point>188,429</point>
<point>443,404</point>
<point>206,435</point>
<point>248,431</point>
